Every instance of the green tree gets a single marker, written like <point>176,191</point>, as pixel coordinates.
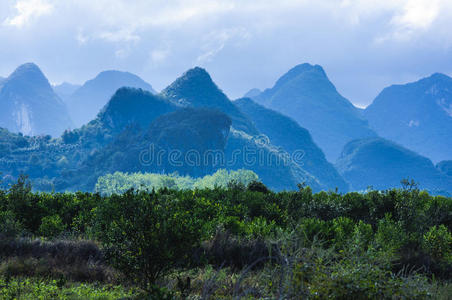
<point>147,234</point>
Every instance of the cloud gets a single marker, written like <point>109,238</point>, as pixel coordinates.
<point>415,17</point>
<point>417,14</point>
<point>159,55</point>
<point>362,44</point>
<point>215,41</point>
<point>122,35</point>
<point>28,10</point>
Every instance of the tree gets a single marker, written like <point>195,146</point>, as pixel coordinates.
<point>147,234</point>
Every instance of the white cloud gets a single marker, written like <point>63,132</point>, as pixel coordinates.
<point>417,14</point>
<point>28,10</point>
<point>122,35</point>
<point>160,38</point>
<point>159,55</point>
<point>416,17</point>
<point>215,41</point>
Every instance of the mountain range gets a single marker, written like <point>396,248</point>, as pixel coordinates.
<point>445,167</point>
<point>306,95</point>
<point>417,115</point>
<point>183,117</point>
<point>195,88</point>
<point>29,104</point>
<point>287,135</point>
<point>284,132</point>
<point>86,101</point>
<point>65,89</point>
<point>382,164</point>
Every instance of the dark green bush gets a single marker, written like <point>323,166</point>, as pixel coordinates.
<point>51,226</point>
<point>146,235</point>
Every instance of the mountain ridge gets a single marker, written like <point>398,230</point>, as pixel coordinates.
<point>197,89</point>
<point>382,164</point>
<point>30,105</point>
<point>426,121</point>
<point>288,134</point>
<point>86,102</point>
<point>306,95</point>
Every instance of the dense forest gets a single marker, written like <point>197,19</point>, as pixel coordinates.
<point>225,242</point>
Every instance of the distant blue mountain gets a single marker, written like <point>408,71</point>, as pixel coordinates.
<point>195,88</point>
<point>286,133</point>
<point>65,90</point>
<point>86,102</point>
<point>29,104</point>
<point>382,164</point>
<point>180,118</point>
<point>252,93</point>
<point>445,167</point>
<point>306,95</point>
<point>417,115</point>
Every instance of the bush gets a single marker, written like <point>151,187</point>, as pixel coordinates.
<point>51,226</point>
<point>343,230</point>
<point>389,236</point>
<point>9,226</point>
<point>438,243</point>
<point>228,250</point>
<point>146,235</point>
<point>73,260</point>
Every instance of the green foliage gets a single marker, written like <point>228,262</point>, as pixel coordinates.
<point>438,243</point>
<point>146,234</point>
<point>51,226</point>
<point>343,229</point>
<point>359,279</point>
<point>356,245</point>
<point>390,235</point>
<point>119,183</point>
<point>9,226</point>
<point>362,235</point>
<point>22,289</point>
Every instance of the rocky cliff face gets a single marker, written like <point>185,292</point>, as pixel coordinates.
<point>29,104</point>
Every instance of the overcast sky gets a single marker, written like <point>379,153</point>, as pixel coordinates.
<point>363,45</point>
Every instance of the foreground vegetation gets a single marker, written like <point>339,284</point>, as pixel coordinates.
<point>226,242</point>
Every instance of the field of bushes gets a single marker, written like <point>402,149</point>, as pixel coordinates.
<point>232,242</point>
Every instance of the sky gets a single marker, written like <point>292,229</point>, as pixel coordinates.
<point>363,45</point>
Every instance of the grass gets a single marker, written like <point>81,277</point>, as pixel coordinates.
<point>34,288</point>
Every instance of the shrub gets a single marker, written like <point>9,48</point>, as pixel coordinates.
<point>312,229</point>
<point>227,250</point>
<point>51,226</point>
<point>343,230</point>
<point>146,234</point>
<point>9,226</point>
<point>259,228</point>
<point>362,235</point>
<point>438,242</point>
<point>389,236</point>
<point>257,186</point>
<point>358,279</point>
